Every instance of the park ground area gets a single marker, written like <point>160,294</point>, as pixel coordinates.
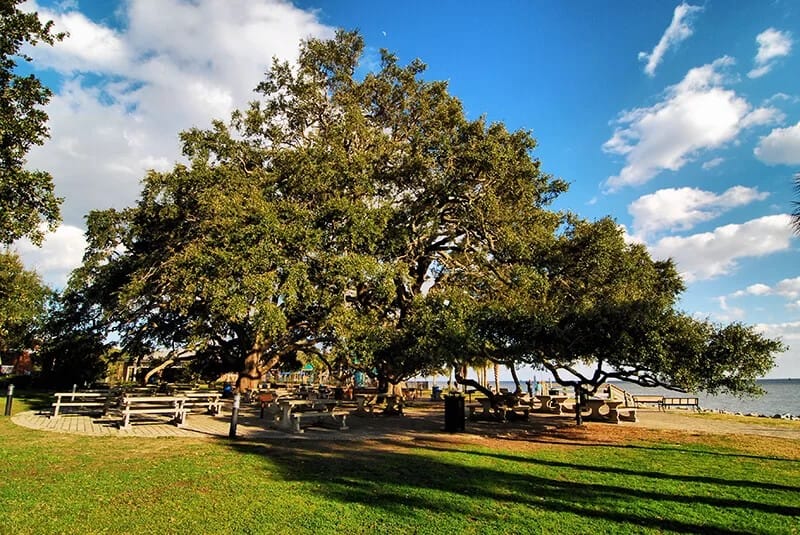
<point>673,472</point>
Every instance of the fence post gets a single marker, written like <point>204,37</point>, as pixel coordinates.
<point>234,415</point>
<point>9,399</point>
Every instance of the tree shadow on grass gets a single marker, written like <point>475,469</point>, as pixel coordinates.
<point>37,400</point>
<point>563,431</point>
<point>396,477</point>
<point>617,470</point>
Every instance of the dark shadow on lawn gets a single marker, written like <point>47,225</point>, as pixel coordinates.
<point>616,470</point>
<point>683,448</point>
<point>38,400</point>
<point>563,431</point>
<point>384,475</point>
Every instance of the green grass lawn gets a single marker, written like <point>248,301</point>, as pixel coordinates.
<point>56,483</point>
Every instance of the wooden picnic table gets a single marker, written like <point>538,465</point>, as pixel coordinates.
<point>596,404</point>
<point>170,405</point>
<point>551,404</point>
<point>614,407</point>
<point>293,411</point>
<point>96,401</point>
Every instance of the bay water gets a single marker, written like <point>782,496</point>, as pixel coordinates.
<point>782,396</point>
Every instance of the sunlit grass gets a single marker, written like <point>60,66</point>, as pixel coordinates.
<point>58,483</point>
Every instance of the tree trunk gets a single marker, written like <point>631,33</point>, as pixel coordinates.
<point>517,386</point>
<point>383,388</point>
<point>253,370</point>
<point>460,379</point>
<point>158,369</point>
<point>578,405</point>
<point>497,378</point>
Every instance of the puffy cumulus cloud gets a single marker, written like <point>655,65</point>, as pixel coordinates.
<point>787,288</point>
<point>787,364</point>
<point>788,331</point>
<point>754,289</point>
<point>712,254</point>
<point>678,30</point>
<point>60,253</point>
<point>696,114</point>
<point>682,208</point>
<point>128,92</point>
<point>781,146</point>
<point>772,44</point>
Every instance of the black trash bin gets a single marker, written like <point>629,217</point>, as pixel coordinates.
<point>436,393</point>
<point>454,416</point>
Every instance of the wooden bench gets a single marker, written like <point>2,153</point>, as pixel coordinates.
<point>624,414</point>
<point>82,402</point>
<point>210,402</point>
<point>318,417</point>
<point>681,403</point>
<point>169,405</point>
<point>515,412</point>
<point>648,400</point>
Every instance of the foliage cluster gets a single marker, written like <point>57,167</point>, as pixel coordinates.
<point>26,197</point>
<point>366,220</point>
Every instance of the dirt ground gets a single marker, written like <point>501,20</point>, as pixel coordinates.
<point>424,423</point>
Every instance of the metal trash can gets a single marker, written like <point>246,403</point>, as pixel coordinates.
<point>436,393</point>
<point>454,416</point>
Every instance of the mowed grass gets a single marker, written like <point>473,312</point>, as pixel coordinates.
<point>56,483</point>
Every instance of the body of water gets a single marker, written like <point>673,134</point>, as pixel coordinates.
<point>782,396</point>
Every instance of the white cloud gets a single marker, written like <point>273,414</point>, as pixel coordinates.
<point>772,44</point>
<point>711,164</point>
<point>60,253</point>
<point>781,146</point>
<point>787,288</point>
<point>754,289</point>
<point>729,313</point>
<point>696,114</point>
<point>712,254</point>
<point>682,208</point>
<point>787,364</point>
<point>781,97</point>
<point>678,30</point>
<point>174,65</point>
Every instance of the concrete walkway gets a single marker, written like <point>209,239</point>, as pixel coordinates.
<point>249,426</point>
<point>197,426</point>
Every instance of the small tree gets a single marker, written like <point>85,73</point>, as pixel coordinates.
<point>26,197</point>
<point>22,305</point>
<point>73,347</point>
<point>611,314</point>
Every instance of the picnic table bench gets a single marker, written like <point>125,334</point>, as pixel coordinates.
<point>615,414</point>
<point>504,411</point>
<point>648,400</point>
<point>211,402</point>
<point>687,403</point>
<point>295,412</point>
<point>170,405</point>
<point>81,401</point>
<point>553,404</point>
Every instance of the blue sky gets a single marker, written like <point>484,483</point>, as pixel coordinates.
<point>682,121</point>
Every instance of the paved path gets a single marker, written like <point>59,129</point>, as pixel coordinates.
<point>419,421</point>
<point>197,425</point>
<point>249,426</point>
